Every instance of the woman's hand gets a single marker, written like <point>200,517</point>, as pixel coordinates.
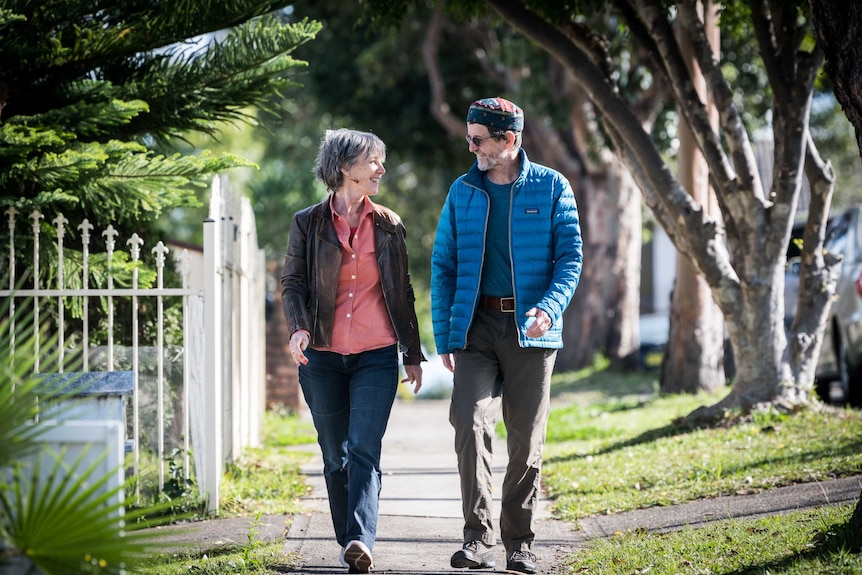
<point>298,342</point>
<point>414,375</point>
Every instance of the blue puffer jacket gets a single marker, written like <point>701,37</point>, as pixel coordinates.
<point>545,247</point>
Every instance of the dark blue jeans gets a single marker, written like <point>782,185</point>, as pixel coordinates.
<point>350,398</point>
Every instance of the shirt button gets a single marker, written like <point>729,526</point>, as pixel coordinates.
<point>353,277</point>
<point>348,315</point>
<point>350,295</point>
<point>353,256</point>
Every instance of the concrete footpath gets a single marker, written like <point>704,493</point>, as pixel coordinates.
<point>420,521</point>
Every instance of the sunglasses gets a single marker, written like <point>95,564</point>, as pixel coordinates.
<point>476,140</point>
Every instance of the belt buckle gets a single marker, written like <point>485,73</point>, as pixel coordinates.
<point>507,304</point>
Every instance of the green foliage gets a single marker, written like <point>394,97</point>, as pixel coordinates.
<point>88,88</point>
<point>282,429</point>
<point>192,90</point>
<point>268,480</point>
<point>178,497</point>
<point>253,545</point>
<point>799,543</point>
<point>88,92</point>
<point>263,481</point>
<point>57,514</point>
<point>615,445</point>
<point>598,383</point>
<point>67,520</point>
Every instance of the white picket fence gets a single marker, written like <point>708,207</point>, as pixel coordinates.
<point>220,399</point>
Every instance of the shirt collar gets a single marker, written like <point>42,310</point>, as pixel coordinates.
<point>367,206</point>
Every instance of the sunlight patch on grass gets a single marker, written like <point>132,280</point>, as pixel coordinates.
<point>597,383</point>
<point>799,543</point>
<point>268,480</point>
<point>263,559</point>
<point>265,482</point>
<point>282,428</point>
<point>600,456</point>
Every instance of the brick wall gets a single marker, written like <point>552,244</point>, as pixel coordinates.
<point>282,384</point>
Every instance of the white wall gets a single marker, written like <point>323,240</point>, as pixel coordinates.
<point>664,270</point>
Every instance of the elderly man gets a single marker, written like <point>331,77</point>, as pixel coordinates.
<point>506,262</point>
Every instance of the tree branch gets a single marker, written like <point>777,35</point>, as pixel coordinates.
<point>791,73</point>
<point>728,176</point>
<point>741,178</point>
<point>819,270</point>
<point>654,98</point>
<point>838,32</point>
<point>685,219</point>
<point>440,108</point>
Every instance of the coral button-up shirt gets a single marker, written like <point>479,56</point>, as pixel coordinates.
<point>361,319</point>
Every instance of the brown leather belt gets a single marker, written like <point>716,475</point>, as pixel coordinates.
<point>506,304</point>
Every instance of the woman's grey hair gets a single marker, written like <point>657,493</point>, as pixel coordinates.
<point>341,149</point>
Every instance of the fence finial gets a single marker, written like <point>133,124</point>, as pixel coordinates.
<point>111,234</point>
<point>36,215</point>
<point>135,242</point>
<point>85,227</point>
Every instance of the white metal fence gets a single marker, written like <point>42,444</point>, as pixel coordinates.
<point>203,395</point>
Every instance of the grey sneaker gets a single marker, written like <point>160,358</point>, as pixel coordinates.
<point>521,561</point>
<point>357,557</point>
<point>473,555</point>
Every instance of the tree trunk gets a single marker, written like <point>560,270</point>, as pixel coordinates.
<point>694,359</point>
<point>838,25</point>
<point>604,312</point>
<point>758,338</point>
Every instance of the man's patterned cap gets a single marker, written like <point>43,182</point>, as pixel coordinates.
<point>496,113</point>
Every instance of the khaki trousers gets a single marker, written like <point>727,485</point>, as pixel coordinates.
<point>494,369</point>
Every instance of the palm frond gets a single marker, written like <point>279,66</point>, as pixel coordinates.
<point>69,520</point>
<point>59,512</point>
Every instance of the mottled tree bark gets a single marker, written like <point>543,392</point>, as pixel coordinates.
<point>838,25</point>
<point>839,30</point>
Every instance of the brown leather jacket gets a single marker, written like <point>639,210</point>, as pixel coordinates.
<point>310,279</point>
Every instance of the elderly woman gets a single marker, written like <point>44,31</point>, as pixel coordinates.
<point>349,303</point>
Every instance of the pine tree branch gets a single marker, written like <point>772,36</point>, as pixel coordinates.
<point>193,90</point>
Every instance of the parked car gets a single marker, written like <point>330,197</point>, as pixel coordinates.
<point>840,360</point>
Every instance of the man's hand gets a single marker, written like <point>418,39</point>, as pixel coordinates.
<point>541,325</point>
<point>449,361</point>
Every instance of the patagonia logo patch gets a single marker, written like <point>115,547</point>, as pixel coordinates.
<point>531,211</point>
